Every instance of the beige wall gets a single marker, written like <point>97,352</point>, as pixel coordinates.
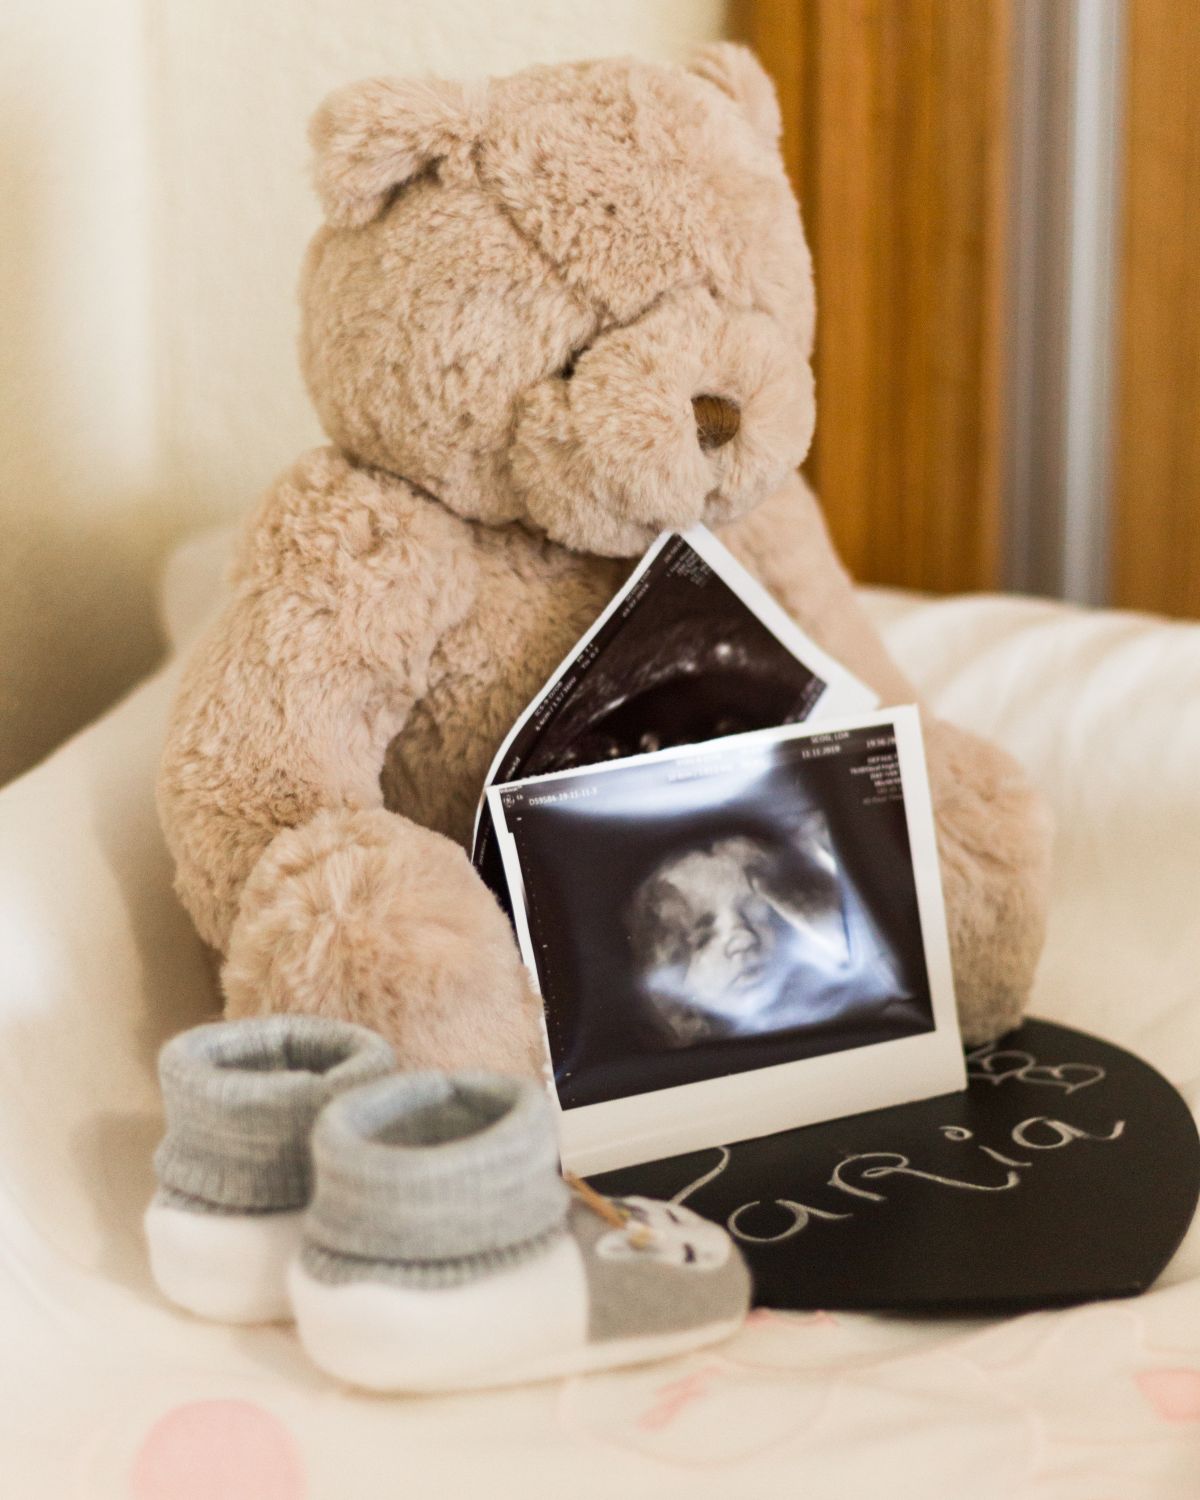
<point>155,209</point>
<point>77,469</point>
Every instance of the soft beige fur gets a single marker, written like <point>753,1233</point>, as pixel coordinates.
<point>518,290</point>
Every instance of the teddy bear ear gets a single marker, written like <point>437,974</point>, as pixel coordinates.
<point>371,137</point>
<point>737,72</point>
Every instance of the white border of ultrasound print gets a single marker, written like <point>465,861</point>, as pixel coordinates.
<point>690,1117</point>
<point>843,692</point>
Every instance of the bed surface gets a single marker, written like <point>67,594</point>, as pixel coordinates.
<point>107,1392</point>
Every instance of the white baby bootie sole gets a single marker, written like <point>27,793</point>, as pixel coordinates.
<point>231,1267</point>
<point>524,1323</point>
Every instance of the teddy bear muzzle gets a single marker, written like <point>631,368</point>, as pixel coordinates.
<point>692,412</point>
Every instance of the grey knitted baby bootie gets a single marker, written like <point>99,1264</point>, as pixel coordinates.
<point>443,1250</point>
<point>234,1169</point>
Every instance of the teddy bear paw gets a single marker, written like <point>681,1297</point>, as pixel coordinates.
<point>364,915</point>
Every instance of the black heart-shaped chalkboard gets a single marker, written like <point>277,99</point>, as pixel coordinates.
<point>1068,1170</point>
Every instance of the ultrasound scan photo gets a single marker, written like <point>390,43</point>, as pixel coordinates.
<point>683,656</point>
<point>703,914</point>
<point>744,936</point>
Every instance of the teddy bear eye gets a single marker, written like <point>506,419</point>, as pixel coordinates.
<point>568,368</point>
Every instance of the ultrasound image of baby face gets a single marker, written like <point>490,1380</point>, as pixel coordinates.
<point>719,929</point>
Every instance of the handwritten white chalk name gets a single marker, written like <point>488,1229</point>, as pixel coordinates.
<point>1037,1133</point>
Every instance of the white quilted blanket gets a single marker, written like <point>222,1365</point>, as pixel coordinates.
<point>106,1392</point>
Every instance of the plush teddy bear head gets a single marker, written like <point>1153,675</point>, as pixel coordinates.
<point>579,297</point>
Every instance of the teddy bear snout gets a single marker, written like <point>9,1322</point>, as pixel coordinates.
<point>717,420</point>
<point>690,413</point>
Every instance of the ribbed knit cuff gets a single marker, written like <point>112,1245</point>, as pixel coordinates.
<point>444,1175</point>
<point>241,1098</point>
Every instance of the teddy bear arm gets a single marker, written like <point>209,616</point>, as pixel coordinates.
<point>325,903</point>
<point>994,835</point>
<point>786,544</point>
<point>321,900</point>
<point>344,587</point>
<point>367,916</point>
<point>253,747</point>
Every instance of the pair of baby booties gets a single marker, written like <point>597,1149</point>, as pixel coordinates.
<point>414,1225</point>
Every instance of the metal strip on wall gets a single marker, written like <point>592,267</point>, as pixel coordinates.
<point>1066,176</point>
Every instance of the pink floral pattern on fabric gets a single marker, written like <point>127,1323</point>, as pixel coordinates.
<point>1174,1394</point>
<point>232,1449</point>
<point>1074,1405</point>
<point>693,1412</point>
<point>675,1395</point>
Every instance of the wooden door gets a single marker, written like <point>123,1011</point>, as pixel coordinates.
<point>1156,500</point>
<point>896,135</point>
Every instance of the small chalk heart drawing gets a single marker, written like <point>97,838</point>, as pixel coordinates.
<point>993,1064</point>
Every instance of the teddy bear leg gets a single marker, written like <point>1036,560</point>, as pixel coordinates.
<point>994,835</point>
<point>366,916</point>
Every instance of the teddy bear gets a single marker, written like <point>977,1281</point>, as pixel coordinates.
<point>546,317</point>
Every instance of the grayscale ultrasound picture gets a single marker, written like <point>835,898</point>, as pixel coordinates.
<point>682,661</point>
<point>697,916</point>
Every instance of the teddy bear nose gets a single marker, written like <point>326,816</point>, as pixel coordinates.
<point>717,420</point>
